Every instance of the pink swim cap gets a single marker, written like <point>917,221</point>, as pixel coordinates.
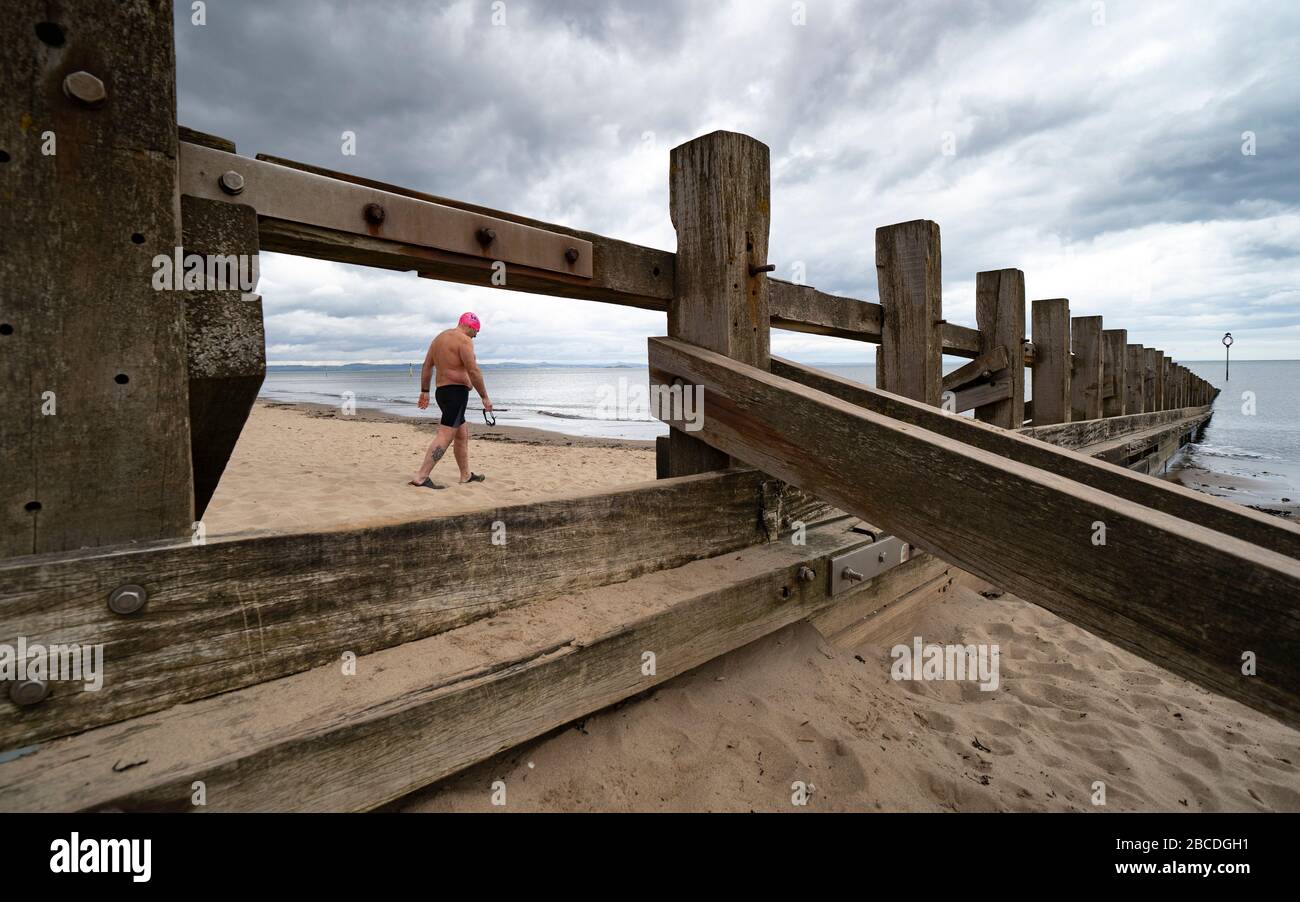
<point>469,319</point>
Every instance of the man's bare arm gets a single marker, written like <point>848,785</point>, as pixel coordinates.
<point>468,357</point>
<point>426,377</point>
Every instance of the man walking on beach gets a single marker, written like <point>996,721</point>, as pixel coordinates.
<point>451,354</point>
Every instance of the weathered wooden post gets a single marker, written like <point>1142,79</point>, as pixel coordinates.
<point>720,202</point>
<point>1000,317</point>
<point>1085,375</point>
<point>1151,376</point>
<point>94,411</point>
<point>1115,370</point>
<point>225,345</point>
<point>909,273</point>
<point>1166,383</point>
<point>1051,376</point>
<point>1135,365</point>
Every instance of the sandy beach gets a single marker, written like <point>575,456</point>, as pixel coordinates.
<point>309,467</point>
<point>734,734</point>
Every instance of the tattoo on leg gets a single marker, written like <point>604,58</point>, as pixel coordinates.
<point>438,453</point>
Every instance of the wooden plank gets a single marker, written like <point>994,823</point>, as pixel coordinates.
<point>1171,590</point>
<point>1115,372</point>
<point>1086,367</point>
<point>94,431</point>
<point>1166,389</point>
<point>413,714</point>
<point>1079,435</point>
<point>1151,387</point>
<point>623,273</point>
<point>243,609</point>
<point>802,308</point>
<point>1124,449</point>
<point>1135,376</point>
<point>1233,519</point>
<point>719,195</point>
<point>982,367</point>
<point>908,269</point>
<point>225,344</point>
<point>977,396</point>
<point>1051,375</point>
<point>1000,314</point>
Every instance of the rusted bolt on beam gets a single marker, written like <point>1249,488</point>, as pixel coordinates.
<point>571,255</point>
<point>25,693</point>
<point>806,574</point>
<point>374,214</point>
<point>852,575</point>
<point>85,89</point>
<point>231,182</point>
<point>755,270</point>
<point>127,599</point>
<point>486,236</point>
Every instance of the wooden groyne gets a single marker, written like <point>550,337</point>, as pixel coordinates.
<point>223,655</point>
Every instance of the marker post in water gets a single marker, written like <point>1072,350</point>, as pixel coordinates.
<point>1227,352</point>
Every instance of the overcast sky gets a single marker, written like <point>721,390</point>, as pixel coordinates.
<point>1096,146</point>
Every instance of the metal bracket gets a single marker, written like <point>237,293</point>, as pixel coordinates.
<point>279,192</point>
<point>852,568</point>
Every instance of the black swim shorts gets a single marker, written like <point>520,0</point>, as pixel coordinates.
<point>452,401</point>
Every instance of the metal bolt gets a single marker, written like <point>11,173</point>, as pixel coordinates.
<point>26,693</point>
<point>231,182</point>
<point>571,255</point>
<point>374,214</point>
<point>127,599</point>
<point>755,270</point>
<point>85,88</point>
<point>806,574</point>
<point>881,557</point>
<point>486,236</point>
<point>852,575</point>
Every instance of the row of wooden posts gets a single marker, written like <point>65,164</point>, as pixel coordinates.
<point>720,202</point>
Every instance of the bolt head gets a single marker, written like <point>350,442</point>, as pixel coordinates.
<point>806,574</point>
<point>127,599</point>
<point>26,693</point>
<point>571,255</point>
<point>231,182</point>
<point>374,214</point>
<point>85,89</point>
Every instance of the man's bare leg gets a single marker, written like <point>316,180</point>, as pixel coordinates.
<point>461,448</point>
<point>437,448</point>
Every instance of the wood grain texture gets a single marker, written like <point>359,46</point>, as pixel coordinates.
<point>1135,380</point>
<point>719,192</point>
<point>623,273</point>
<point>802,308</point>
<point>1127,448</point>
<point>908,270</point>
<point>1086,367</point>
<point>1151,380</point>
<point>414,714</point>
<point>109,461</point>
<point>1115,372</point>
<point>1233,519</point>
<point>1051,374</point>
<point>1151,588</point>
<point>244,609</point>
<point>981,368</point>
<point>225,343</point>
<point>1000,315</point>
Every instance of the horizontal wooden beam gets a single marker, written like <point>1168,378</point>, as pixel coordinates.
<point>249,608</point>
<point>622,273</point>
<point>802,308</point>
<point>1082,434</point>
<point>323,741</point>
<point>1171,590</point>
<point>975,396</point>
<point>1124,449</point>
<point>1175,500</point>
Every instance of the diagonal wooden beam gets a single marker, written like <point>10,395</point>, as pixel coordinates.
<point>1187,597</point>
<point>1050,453</point>
<point>982,367</point>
